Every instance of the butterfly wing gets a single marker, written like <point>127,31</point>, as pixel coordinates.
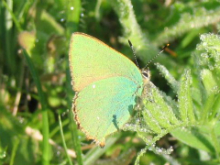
<point>92,60</point>
<point>106,83</point>
<point>104,106</point>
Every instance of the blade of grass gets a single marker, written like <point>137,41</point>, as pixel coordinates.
<point>12,16</point>
<point>15,147</point>
<point>75,137</point>
<point>18,26</point>
<point>46,147</point>
<point>8,35</point>
<point>96,152</point>
<point>63,140</point>
<point>24,7</point>
<point>73,16</point>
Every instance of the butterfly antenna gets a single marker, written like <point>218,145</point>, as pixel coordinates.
<point>167,45</point>
<point>135,57</point>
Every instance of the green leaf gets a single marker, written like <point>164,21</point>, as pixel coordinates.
<point>194,138</point>
<point>199,18</point>
<point>158,114</point>
<point>185,98</point>
<point>166,74</point>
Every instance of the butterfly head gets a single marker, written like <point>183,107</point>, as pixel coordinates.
<point>146,79</point>
<point>146,74</point>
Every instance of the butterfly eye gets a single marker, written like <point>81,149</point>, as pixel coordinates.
<point>145,74</point>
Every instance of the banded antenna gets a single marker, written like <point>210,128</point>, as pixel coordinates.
<point>135,57</point>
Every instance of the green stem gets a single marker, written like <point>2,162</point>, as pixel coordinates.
<point>73,16</point>
<point>8,35</point>
<point>12,16</point>
<point>96,152</point>
<point>132,30</point>
<point>15,147</point>
<point>46,147</point>
<point>72,124</point>
<point>63,140</point>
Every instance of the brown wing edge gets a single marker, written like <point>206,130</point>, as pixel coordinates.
<point>74,108</point>
<point>70,59</point>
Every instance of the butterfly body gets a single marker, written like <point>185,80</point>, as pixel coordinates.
<point>106,85</point>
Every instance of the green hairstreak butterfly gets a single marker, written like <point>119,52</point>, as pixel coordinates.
<point>106,84</point>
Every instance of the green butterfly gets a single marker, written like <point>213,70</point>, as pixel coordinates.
<point>106,85</point>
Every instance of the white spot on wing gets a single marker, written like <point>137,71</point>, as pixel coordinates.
<point>93,86</point>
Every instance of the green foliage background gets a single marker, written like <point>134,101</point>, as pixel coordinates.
<point>180,118</point>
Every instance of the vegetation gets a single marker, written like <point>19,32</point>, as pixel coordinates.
<point>180,119</point>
